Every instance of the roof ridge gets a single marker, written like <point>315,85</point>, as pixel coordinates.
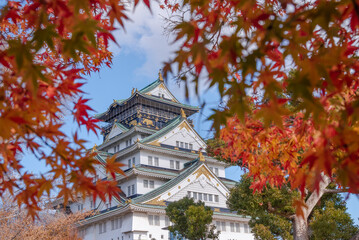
<point>169,126</point>
<point>150,86</point>
<point>180,177</point>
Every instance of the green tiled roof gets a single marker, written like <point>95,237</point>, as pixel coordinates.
<point>102,156</point>
<point>122,127</point>
<point>170,125</point>
<point>150,86</point>
<point>157,171</point>
<point>168,185</point>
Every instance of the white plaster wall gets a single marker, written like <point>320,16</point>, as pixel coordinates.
<point>142,190</point>
<point>122,143</point>
<point>124,160</point>
<point>159,90</point>
<point>128,183</point>
<point>196,187</point>
<point>229,235</point>
<point>183,135</point>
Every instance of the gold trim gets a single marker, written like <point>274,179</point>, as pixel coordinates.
<point>179,187</point>
<point>201,157</point>
<point>184,125</point>
<point>156,201</point>
<point>155,143</point>
<point>183,114</point>
<point>203,171</point>
<point>94,148</point>
<point>169,194</point>
<point>216,210</point>
<point>133,123</point>
<point>160,75</point>
<point>148,122</point>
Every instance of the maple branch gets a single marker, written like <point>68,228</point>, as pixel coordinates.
<point>338,190</point>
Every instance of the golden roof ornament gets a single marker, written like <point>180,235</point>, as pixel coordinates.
<point>183,114</point>
<point>160,76</point>
<point>201,157</point>
<point>94,148</point>
<point>133,91</point>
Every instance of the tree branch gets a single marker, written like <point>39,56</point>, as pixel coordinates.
<point>338,190</point>
<point>316,195</point>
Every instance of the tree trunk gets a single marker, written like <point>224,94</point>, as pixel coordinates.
<point>300,223</point>
<point>300,228</point>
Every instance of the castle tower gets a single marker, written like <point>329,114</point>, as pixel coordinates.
<point>164,159</point>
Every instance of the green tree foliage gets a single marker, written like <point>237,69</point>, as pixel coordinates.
<point>336,220</point>
<point>191,220</point>
<point>272,213</point>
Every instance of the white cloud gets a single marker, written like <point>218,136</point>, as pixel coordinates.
<point>144,36</point>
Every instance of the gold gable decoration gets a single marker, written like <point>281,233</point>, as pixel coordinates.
<point>94,148</point>
<point>160,76</point>
<point>201,157</point>
<point>183,114</point>
<point>156,201</point>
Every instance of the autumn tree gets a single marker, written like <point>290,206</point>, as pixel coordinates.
<point>46,50</point>
<point>246,49</point>
<point>191,220</point>
<point>272,213</point>
<point>15,223</point>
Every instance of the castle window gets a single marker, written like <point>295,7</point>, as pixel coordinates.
<point>128,191</point>
<point>133,189</point>
<point>237,228</point>
<point>157,220</point>
<point>224,226</point>
<point>194,195</point>
<point>150,161</point>
<point>129,163</point>
<point>186,145</point>
<point>204,196</point>
<point>181,144</point>
<point>216,171</point>
<point>80,207</point>
<point>172,164</point>
<point>216,198</point>
<point>152,184</point>
<point>177,144</point>
<point>154,220</point>
<point>133,161</point>
<point>246,228</point>
<point>200,196</point>
<point>177,165</point>
<point>232,227</point>
<point>190,146</point>
<point>150,220</point>
<point>145,183</point>
<point>156,162</point>
<point>102,228</point>
<point>189,194</point>
<point>210,197</point>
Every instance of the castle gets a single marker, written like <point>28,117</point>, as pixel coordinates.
<point>165,160</point>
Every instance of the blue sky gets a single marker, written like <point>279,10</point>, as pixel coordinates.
<point>143,49</point>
